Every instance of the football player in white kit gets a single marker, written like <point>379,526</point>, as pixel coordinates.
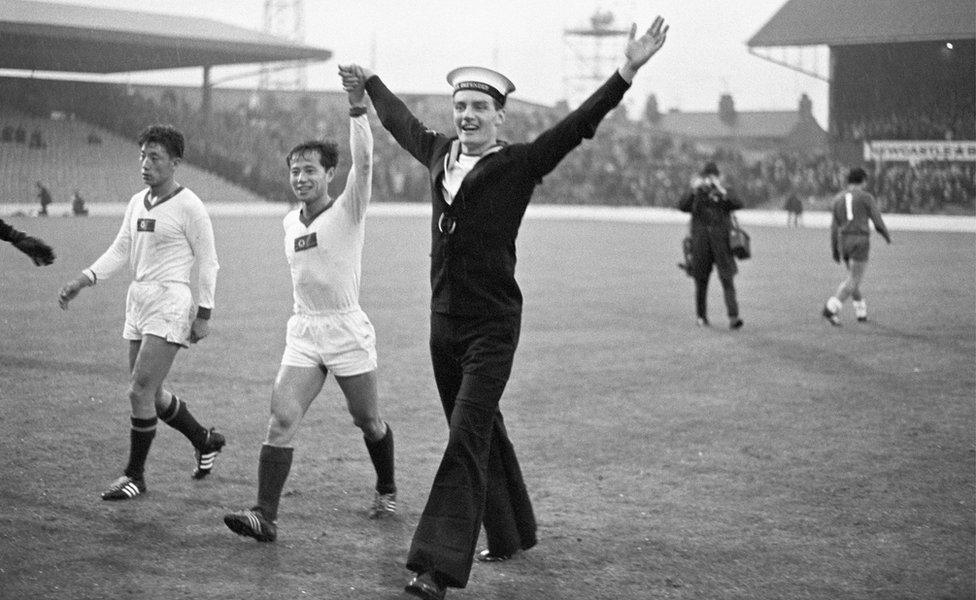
<point>328,330</point>
<point>165,231</point>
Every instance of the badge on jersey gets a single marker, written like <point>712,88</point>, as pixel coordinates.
<point>146,225</point>
<point>306,242</point>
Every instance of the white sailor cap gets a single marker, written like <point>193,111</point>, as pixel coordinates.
<point>481,79</point>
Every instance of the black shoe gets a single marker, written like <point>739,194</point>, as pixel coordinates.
<point>124,488</point>
<point>384,505</point>
<point>424,586</point>
<point>206,457</point>
<point>736,323</point>
<point>831,316</point>
<point>251,523</point>
<point>487,556</point>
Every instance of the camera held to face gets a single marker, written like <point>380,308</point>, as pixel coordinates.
<point>709,186</point>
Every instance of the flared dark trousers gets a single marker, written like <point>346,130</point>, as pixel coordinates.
<point>479,480</point>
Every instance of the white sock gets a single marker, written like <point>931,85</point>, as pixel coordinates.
<point>834,305</point>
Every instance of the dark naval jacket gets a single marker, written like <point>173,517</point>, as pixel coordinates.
<point>472,270</point>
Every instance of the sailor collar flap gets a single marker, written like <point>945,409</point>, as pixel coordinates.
<point>450,158</point>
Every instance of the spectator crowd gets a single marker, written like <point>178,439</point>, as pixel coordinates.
<point>627,163</point>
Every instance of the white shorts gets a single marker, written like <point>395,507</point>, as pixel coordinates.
<point>343,343</point>
<point>163,309</point>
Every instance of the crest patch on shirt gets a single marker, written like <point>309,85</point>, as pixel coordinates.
<point>306,242</point>
<point>146,225</point>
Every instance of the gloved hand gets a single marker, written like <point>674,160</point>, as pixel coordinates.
<point>38,251</point>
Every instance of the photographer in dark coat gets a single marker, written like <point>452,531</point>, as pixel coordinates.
<point>711,206</point>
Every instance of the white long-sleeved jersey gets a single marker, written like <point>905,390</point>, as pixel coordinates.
<point>160,242</point>
<point>325,255</point>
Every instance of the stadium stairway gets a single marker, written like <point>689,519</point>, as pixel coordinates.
<point>105,172</point>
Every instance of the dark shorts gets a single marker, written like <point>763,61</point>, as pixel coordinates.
<point>855,247</point>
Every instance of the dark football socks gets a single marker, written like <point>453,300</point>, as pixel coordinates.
<point>273,467</point>
<point>140,439</point>
<point>178,416</point>
<point>381,453</point>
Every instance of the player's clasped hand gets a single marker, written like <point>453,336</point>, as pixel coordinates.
<point>38,251</point>
<point>352,77</point>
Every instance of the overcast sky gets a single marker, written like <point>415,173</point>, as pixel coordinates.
<point>412,45</point>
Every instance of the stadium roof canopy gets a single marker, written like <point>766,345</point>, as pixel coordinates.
<point>849,22</point>
<point>43,36</point>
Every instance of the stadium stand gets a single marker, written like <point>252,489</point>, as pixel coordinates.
<point>629,163</point>
<point>899,71</point>
<point>39,36</point>
<point>237,138</point>
<point>71,159</point>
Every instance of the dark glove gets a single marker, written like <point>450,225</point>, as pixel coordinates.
<point>40,253</point>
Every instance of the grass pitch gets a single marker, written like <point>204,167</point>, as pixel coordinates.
<point>787,460</point>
